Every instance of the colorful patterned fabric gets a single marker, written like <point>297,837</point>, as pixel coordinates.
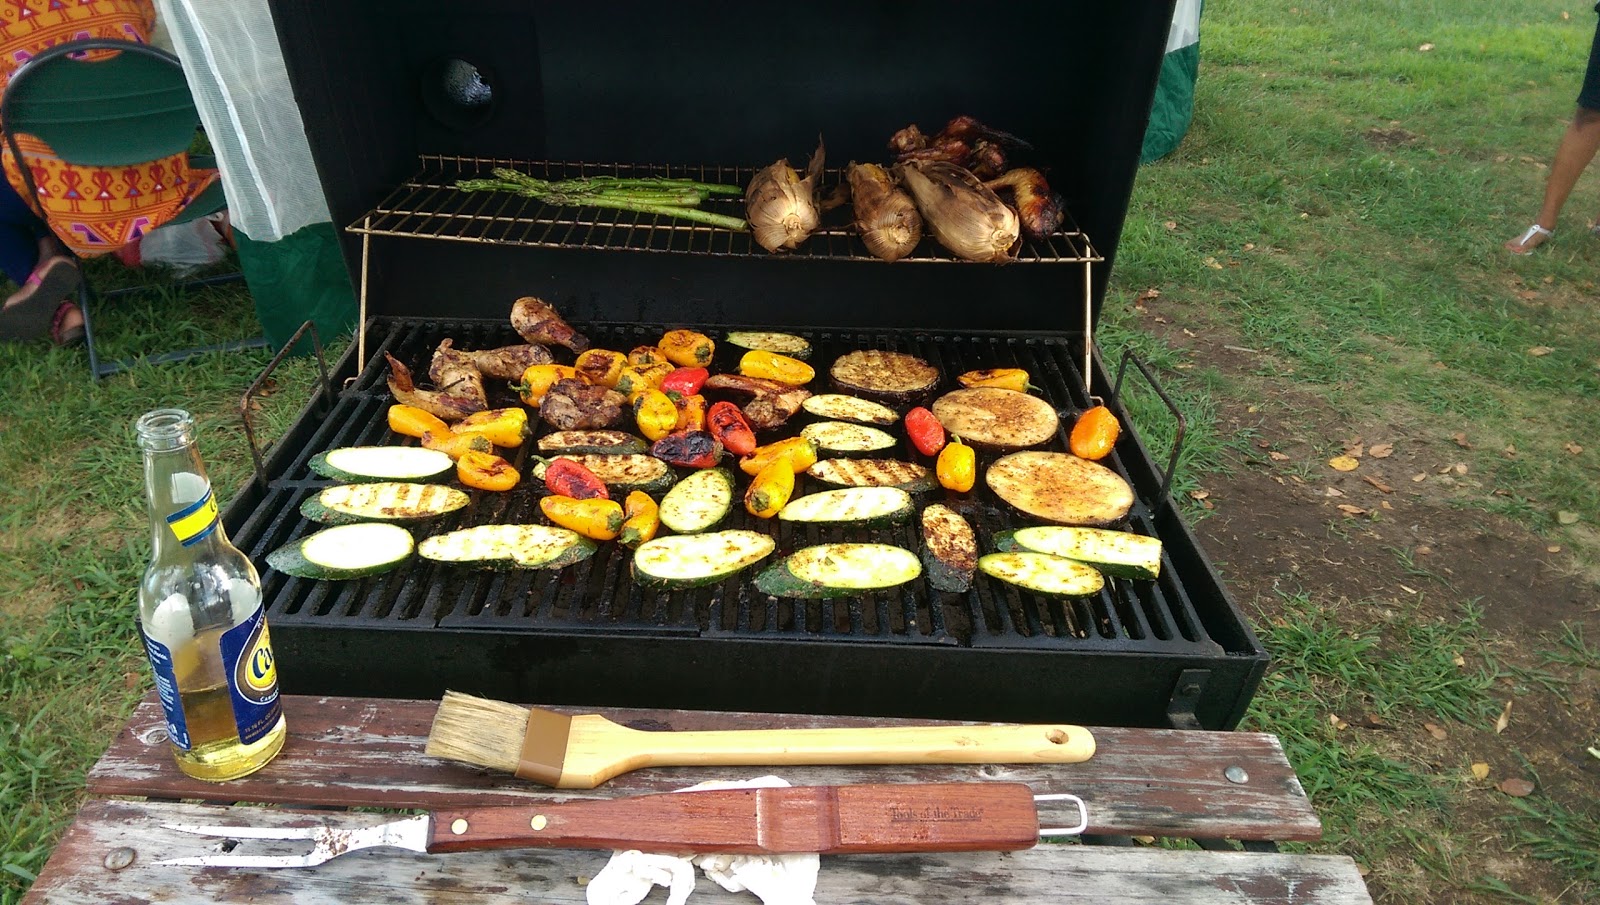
<point>93,210</point>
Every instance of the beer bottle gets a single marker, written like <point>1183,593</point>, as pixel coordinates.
<point>201,615</point>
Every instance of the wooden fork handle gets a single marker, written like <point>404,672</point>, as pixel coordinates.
<point>908,817</point>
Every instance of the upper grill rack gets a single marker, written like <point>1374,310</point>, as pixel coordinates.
<point>598,595</point>
<point>428,205</point>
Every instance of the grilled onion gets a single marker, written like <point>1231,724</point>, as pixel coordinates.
<point>965,217</point>
<point>782,208</point>
<point>885,215</point>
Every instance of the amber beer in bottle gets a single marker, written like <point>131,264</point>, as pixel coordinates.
<point>201,615</point>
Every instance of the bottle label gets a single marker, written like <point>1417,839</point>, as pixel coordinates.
<point>167,690</point>
<point>195,522</point>
<point>252,676</point>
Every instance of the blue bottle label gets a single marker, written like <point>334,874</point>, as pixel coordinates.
<point>252,677</point>
<point>167,690</point>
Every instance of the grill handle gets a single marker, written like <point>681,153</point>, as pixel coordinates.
<point>261,381</point>
<point>1183,424</point>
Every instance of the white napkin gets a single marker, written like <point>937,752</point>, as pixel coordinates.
<point>777,879</point>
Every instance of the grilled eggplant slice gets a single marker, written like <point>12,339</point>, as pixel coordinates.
<point>362,464</point>
<point>840,438</point>
<point>949,549</point>
<point>621,473</point>
<point>387,501</point>
<point>347,551</point>
<point>996,418</point>
<point>508,547</point>
<point>692,560</point>
<point>839,570</point>
<point>1042,573</point>
<point>1060,488</point>
<point>907,476</point>
<point>870,506</point>
<point>886,375</point>
<point>697,503</point>
<point>597,442</point>
<point>764,341</point>
<point>1118,553</point>
<point>839,407</point>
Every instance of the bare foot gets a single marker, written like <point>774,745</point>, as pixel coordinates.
<point>1534,237</point>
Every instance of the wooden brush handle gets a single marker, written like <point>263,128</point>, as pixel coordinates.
<point>927,817</point>
<point>598,749</point>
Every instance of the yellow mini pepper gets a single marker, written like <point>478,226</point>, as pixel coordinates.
<point>655,414</point>
<point>646,355</point>
<point>602,367</point>
<point>771,489</point>
<point>456,445</point>
<point>800,452</point>
<point>636,379</point>
<point>486,471</point>
<point>411,421</point>
<point>1000,378</point>
<point>957,466</point>
<point>772,366</point>
<point>687,349</point>
<point>595,518</point>
<point>537,380</point>
<point>506,427</point>
<point>643,519</point>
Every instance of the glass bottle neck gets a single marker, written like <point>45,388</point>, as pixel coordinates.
<point>183,510</point>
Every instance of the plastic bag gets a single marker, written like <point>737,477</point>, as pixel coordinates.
<point>185,247</point>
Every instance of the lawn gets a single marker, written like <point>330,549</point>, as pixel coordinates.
<point>1337,213</point>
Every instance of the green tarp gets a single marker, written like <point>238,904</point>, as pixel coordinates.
<point>1173,107</point>
<point>298,278</point>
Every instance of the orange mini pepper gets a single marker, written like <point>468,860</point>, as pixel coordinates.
<point>957,466</point>
<point>686,348</point>
<point>594,518</point>
<point>691,412</point>
<point>486,471</point>
<point>537,380</point>
<point>457,445</point>
<point>643,519</point>
<point>1014,379</point>
<point>411,421</point>
<point>1094,434</point>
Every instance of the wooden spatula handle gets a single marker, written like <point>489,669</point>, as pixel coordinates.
<point>998,744</point>
<point>909,817</point>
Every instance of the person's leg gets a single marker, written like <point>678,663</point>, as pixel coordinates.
<point>19,235</point>
<point>1573,156</point>
<point>45,276</point>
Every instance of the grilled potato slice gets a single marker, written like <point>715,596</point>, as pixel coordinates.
<point>995,418</point>
<point>1060,488</point>
<point>887,375</point>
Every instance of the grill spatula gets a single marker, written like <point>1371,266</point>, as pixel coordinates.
<point>856,819</point>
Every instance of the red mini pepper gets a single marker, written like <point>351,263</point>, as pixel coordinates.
<point>688,449</point>
<point>685,381</point>
<point>727,424</point>
<point>565,477</point>
<point>925,431</point>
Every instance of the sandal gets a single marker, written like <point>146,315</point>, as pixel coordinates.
<point>60,333</point>
<point>1520,246</point>
<point>31,310</point>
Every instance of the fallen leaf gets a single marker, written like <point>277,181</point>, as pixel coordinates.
<point>1460,468</point>
<point>1335,722</point>
<point>131,680</point>
<point>1263,444</point>
<point>1443,469</point>
<point>1553,548</point>
<point>1277,456</point>
<point>1381,450</point>
<point>1408,590</point>
<point>1424,550</point>
<point>1212,263</point>
<point>1171,224</point>
<point>1572,448</point>
<point>1459,661</point>
<point>1252,409</point>
<point>1249,246</point>
<point>1348,509</point>
<point>1199,494</point>
<point>1516,787</point>
<point>1418,478</point>
<point>1540,351</point>
<point>1385,504</point>
<point>1207,504</point>
<point>1565,15</point>
<point>1148,295</point>
<point>1188,332</point>
<point>1504,719</point>
<point>1436,731</point>
<point>1343,463</point>
<point>1510,451</point>
<point>1566,518</point>
<point>1461,440</point>
<point>1425,48</point>
<point>1377,483</point>
<point>1332,491</point>
<point>1144,840</point>
<point>1354,448</point>
<point>1480,771</point>
<point>1528,295</point>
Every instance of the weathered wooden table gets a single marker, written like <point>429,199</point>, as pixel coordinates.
<point>1233,792</point>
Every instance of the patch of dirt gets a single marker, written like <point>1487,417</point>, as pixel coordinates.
<point>1389,533</point>
<point>1388,138</point>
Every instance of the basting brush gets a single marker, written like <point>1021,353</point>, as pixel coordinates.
<point>581,752</point>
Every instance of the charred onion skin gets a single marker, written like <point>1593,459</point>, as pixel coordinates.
<point>885,215</point>
<point>1040,209</point>
<point>537,322</point>
<point>445,403</point>
<point>782,208</point>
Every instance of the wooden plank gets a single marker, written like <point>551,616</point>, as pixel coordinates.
<point>77,873</point>
<point>368,752</point>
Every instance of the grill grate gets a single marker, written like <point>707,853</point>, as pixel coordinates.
<point>597,595</point>
<point>429,206</point>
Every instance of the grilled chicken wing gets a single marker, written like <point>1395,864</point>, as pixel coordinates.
<point>448,403</point>
<point>507,362</point>
<point>1040,209</point>
<point>537,322</point>
<point>452,371</point>
<point>773,402</point>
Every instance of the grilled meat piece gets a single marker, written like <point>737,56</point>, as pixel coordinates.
<point>506,362</point>
<point>963,141</point>
<point>908,139</point>
<point>1040,209</point>
<point>537,322</point>
<point>452,371</point>
<point>773,402</point>
<point>966,128</point>
<point>447,403</point>
<point>576,405</point>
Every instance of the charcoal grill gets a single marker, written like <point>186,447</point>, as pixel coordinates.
<point>431,262</point>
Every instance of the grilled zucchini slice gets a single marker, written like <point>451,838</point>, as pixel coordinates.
<point>387,501</point>
<point>1042,573</point>
<point>363,464</point>
<point>839,570</point>
<point>765,341</point>
<point>508,546</point>
<point>1060,488</point>
<point>996,418</point>
<point>697,503</point>
<point>691,560</point>
<point>908,476</point>
<point>598,442</point>
<point>835,439</point>
<point>346,551</point>
<point>870,506</point>
<point>1118,553</point>
<point>949,549</point>
<point>886,375</point>
<point>839,407</point>
<point>621,473</point>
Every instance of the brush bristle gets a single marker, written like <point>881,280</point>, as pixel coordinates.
<point>478,731</point>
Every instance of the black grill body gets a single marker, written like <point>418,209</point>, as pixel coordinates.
<point>714,91</point>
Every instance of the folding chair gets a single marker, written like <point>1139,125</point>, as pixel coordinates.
<point>121,110</point>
